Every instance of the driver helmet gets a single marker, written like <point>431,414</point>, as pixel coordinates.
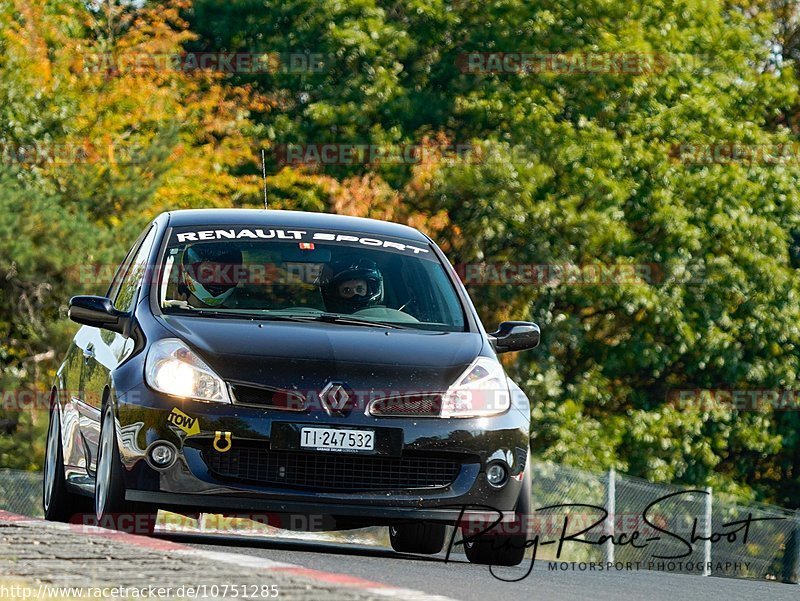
<point>211,271</point>
<point>351,283</point>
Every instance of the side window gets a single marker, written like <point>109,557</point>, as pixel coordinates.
<point>113,289</point>
<point>134,274</point>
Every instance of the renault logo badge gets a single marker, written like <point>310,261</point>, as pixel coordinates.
<point>334,397</point>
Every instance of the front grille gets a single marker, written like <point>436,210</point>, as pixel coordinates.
<point>422,405</point>
<point>331,471</point>
<point>273,398</point>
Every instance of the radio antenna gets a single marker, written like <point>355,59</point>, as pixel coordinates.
<point>264,176</point>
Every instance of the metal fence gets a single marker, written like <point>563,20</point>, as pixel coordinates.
<point>21,492</point>
<point>662,527</point>
<point>723,538</point>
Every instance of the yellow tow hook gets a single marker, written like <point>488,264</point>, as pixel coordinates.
<point>224,438</point>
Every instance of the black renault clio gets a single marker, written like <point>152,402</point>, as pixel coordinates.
<point>294,363</point>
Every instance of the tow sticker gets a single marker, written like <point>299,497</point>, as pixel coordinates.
<point>188,424</point>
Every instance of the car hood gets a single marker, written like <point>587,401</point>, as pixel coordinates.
<point>300,356</point>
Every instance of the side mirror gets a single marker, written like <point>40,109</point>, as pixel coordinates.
<point>515,336</point>
<point>97,311</point>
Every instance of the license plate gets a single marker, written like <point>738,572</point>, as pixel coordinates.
<point>329,439</point>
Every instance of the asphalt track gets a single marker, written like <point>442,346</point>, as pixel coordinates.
<point>458,579</point>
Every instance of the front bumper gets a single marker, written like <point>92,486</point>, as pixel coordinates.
<point>194,482</point>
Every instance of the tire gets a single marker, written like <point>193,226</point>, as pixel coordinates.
<point>496,550</point>
<point>423,538</point>
<point>110,507</point>
<point>58,502</point>
<point>508,549</point>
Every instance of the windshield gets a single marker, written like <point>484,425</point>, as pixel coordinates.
<point>307,275</point>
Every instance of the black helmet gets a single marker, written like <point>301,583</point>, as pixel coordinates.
<point>344,299</point>
<point>211,286</point>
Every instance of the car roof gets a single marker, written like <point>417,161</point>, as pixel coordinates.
<point>269,218</point>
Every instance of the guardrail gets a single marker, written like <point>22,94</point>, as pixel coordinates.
<point>771,550</point>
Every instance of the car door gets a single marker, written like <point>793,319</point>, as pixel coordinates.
<point>103,350</point>
<point>77,413</point>
<point>68,379</point>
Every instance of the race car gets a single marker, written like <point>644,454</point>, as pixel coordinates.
<point>293,363</point>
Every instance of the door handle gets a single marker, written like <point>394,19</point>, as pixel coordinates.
<point>88,352</point>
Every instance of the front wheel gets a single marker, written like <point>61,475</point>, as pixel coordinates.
<point>110,507</point>
<point>423,538</point>
<point>499,550</point>
<point>58,502</point>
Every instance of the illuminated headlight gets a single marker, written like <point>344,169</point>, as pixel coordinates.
<point>172,368</point>
<point>480,391</point>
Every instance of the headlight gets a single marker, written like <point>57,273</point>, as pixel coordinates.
<point>480,391</point>
<point>172,368</point>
